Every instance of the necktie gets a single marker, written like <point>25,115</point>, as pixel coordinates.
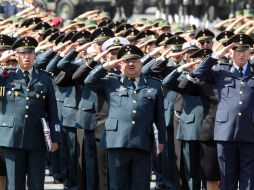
<point>26,75</point>
<point>241,71</point>
<point>132,81</point>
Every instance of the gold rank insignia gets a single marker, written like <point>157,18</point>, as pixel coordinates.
<point>37,95</point>
<point>43,97</point>
<point>16,93</point>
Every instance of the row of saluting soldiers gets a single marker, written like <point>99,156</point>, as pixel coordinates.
<point>121,92</point>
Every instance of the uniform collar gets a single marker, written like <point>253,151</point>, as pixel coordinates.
<point>244,67</point>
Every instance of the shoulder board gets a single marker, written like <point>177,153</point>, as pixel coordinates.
<point>44,72</point>
<point>113,75</point>
<point>153,78</point>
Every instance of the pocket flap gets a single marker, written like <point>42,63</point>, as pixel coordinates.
<point>86,105</point>
<point>222,116</point>
<point>228,81</point>
<point>70,102</point>
<point>111,124</point>
<point>6,121</point>
<point>188,118</point>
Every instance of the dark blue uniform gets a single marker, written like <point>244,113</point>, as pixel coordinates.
<point>234,121</point>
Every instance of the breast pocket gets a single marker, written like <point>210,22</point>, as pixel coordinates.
<point>40,92</point>
<point>119,98</point>
<point>149,96</point>
<point>86,105</point>
<point>227,87</point>
<point>12,92</point>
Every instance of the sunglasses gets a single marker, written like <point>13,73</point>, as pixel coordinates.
<point>205,42</point>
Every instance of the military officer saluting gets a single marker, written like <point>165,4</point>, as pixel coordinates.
<point>234,121</point>
<point>28,96</point>
<point>135,103</point>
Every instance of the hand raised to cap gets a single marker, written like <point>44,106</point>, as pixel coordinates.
<point>175,54</point>
<point>156,50</point>
<point>186,66</point>
<point>84,46</point>
<point>100,55</point>
<point>60,46</point>
<point>221,53</point>
<point>112,64</point>
<point>5,57</point>
<point>70,47</point>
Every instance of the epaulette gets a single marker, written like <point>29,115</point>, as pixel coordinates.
<point>45,72</point>
<point>113,75</point>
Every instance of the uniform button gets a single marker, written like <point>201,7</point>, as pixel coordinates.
<point>26,116</point>
<point>83,109</point>
<point>57,99</point>
<point>27,89</point>
<point>4,124</point>
<point>134,101</point>
<point>27,107</point>
<point>27,98</point>
<point>242,82</point>
<point>135,92</point>
<point>240,102</point>
<point>239,114</point>
<point>241,92</point>
<point>68,105</point>
<point>133,122</point>
<point>134,111</point>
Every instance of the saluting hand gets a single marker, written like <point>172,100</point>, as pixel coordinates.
<point>112,64</point>
<point>221,53</point>
<point>186,66</point>
<point>54,147</point>
<point>84,46</point>
<point>102,54</point>
<point>161,147</point>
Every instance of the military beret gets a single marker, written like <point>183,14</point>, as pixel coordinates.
<point>104,23</point>
<point>59,38</point>
<point>164,24</point>
<point>105,15</point>
<point>68,36</point>
<point>131,33</point>
<point>54,36</point>
<point>242,41</point>
<point>161,40</point>
<point>146,35</point>
<point>123,27</point>
<point>114,42</point>
<point>91,23</point>
<point>42,26</point>
<point>49,32</point>
<point>56,21</point>
<point>25,44</point>
<point>140,21</point>
<point>201,53</point>
<point>5,42</point>
<point>81,37</point>
<point>129,52</point>
<point>203,34</point>
<point>224,36</point>
<point>175,42</point>
<point>100,35</point>
<point>157,21</point>
<point>177,29</point>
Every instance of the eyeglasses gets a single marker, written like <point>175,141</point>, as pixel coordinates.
<point>205,42</point>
